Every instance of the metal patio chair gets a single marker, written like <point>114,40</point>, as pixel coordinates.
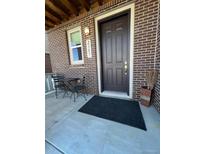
<point>81,88</point>
<point>58,82</point>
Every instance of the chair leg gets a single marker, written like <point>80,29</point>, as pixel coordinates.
<point>85,96</point>
<point>74,96</point>
<point>71,96</point>
<point>56,93</point>
<point>86,90</point>
<point>64,93</point>
<point>83,93</point>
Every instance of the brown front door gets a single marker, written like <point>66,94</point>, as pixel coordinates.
<point>115,53</point>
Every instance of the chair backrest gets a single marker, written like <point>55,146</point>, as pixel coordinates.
<point>57,78</point>
<point>83,81</point>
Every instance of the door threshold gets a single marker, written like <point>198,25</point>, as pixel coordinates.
<point>115,94</point>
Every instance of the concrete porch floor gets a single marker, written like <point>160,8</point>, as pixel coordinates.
<point>71,132</point>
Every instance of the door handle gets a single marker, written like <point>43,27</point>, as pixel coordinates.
<point>125,67</point>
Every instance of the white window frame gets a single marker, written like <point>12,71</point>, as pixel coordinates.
<point>70,46</point>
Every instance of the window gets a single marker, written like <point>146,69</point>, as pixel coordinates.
<point>75,46</point>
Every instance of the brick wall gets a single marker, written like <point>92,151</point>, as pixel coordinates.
<point>48,68</point>
<point>145,29</point>
<point>156,92</point>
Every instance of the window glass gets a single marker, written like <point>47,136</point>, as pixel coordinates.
<point>75,38</point>
<point>77,54</point>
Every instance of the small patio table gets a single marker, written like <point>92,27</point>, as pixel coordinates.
<point>69,80</point>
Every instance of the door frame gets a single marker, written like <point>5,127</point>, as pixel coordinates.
<point>130,7</point>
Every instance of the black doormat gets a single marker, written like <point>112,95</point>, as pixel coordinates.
<point>118,110</point>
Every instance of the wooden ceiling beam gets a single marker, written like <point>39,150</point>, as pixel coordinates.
<point>47,27</point>
<point>52,17</point>
<point>70,6</point>
<point>53,22</point>
<point>100,2</point>
<point>56,9</point>
<point>50,24</point>
<point>85,4</point>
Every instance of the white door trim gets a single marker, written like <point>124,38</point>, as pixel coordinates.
<point>113,12</point>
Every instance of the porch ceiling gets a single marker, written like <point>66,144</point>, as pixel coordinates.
<point>59,11</point>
